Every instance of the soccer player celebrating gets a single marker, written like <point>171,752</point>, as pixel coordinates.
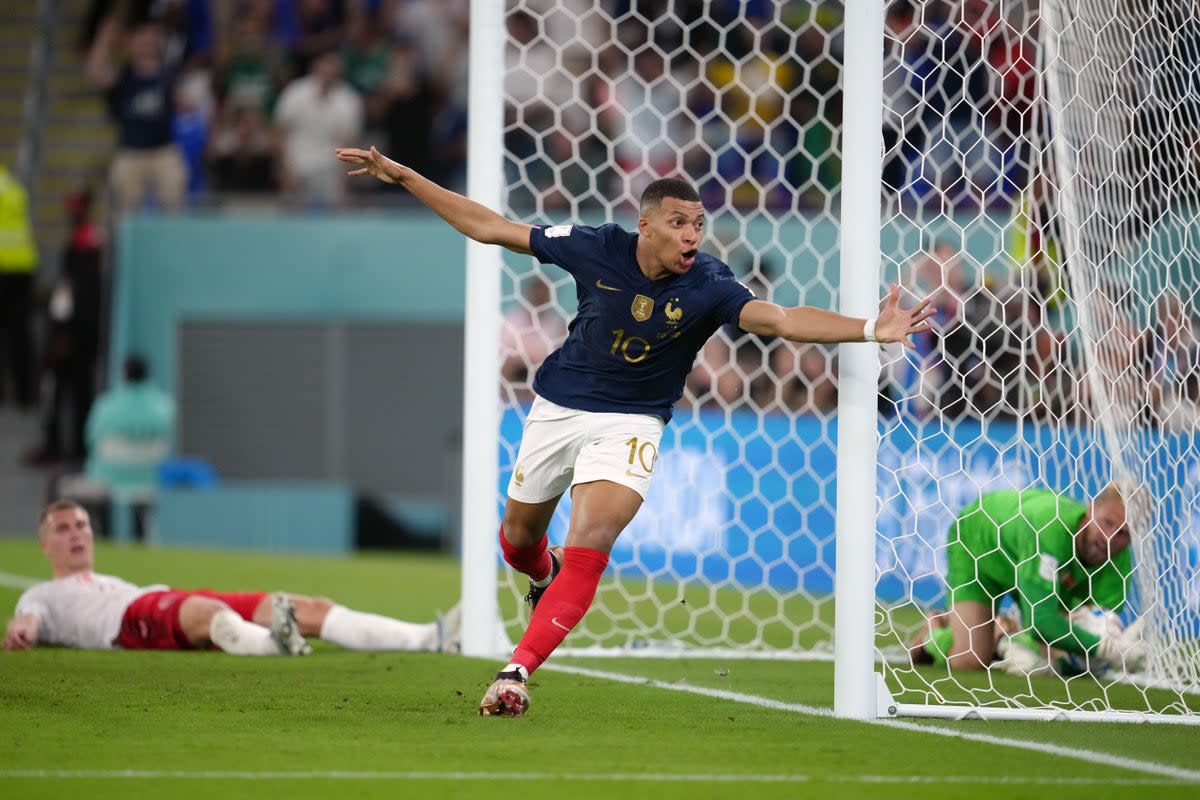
<point>648,301</point>
<point>84,609</point>
<point>1051,554</point>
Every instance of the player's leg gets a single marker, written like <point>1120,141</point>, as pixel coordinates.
<point>932,642</point>
<point>361,630</point>
<point>524,545</point>
<point>205,619</point>
<point>974,639</point>
<point>972,607</point>
<point>600,511</point>
<point>275,613</point>
<point>550,446</point>
<point>178,620</point>
<point>612,476</point>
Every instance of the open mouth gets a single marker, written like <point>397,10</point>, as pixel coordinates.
<point>689,257</point>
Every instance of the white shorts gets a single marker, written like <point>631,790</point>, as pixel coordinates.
<point>562,447</point>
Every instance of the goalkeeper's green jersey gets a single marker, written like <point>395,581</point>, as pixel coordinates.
<point>1022,543</point>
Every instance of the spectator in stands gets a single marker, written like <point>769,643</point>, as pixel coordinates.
<point>753,76</point>
<point>529,332</point>
<point>188,33</point>
<point>647,113</point>
<point>714,381</point>
<point>320,29</point>
<point>141,101</point>
<point>409,103</point>
<point>83,609</point>
<point>72,350</point>
<point>315,114</point>
<point>365,55</point>
<point>242,152</point>
<point>1174,355</point>
<point>18,260</point>
<point>251,67</point>
<point>190,128</point>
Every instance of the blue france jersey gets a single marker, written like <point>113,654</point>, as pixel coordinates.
<point>634,340</point>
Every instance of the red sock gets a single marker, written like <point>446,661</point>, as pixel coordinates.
<point>533,560</point>
<point>562,606</point>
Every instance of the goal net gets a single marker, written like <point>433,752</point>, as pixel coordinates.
<point>1048,156</point>
<point>1038,181</point>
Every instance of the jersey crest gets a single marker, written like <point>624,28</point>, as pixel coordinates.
<point>642,308</point>
<point>674,313</point>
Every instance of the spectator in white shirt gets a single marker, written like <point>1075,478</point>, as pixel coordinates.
<point>315,115</point>
<point>86,610</point>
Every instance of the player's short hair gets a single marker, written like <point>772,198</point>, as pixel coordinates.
<point>61,504</point>
<point>663,188</point>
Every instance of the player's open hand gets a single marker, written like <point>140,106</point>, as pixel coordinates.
<point>896,324</point>
<point>372,162</point>
<point>21,633</point>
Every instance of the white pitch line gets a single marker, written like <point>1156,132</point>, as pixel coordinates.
<point>10,581</point>
<point>607,777</point>
<point>1095,757</point>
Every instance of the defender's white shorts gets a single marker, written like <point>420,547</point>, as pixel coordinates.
<point>561,447</point>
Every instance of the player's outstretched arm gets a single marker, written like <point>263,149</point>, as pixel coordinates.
<point>469,218</point>
<point>21,633</point>
<point>808,324</point>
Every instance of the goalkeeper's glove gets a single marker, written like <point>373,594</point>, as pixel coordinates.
<point>1125,650</point>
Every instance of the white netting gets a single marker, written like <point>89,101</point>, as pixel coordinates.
<point>734,546</point>
<point>1057,216</point>
<point>1049,257</point>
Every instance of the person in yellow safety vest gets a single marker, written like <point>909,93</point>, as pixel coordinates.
<point>18,260</point>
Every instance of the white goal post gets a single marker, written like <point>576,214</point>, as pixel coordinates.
<point>992,154</point>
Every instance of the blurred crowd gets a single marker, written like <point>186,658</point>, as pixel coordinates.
<point>228,97</point>
<point>213,99</point>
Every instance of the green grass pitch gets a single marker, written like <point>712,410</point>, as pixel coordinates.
<point>340,724</point>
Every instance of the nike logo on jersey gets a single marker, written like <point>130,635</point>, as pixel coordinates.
<point>554,621</point>
<point>600,285</point>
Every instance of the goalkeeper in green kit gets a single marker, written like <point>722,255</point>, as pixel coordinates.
<point>1051,554</point>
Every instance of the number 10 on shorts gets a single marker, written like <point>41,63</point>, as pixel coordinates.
<point>642,454</point>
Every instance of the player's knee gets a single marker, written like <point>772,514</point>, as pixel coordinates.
<point>518,531</point>
<point>195,616</point>
<point>311,613</point>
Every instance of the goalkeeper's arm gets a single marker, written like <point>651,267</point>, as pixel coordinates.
<point>1040,605</point>
<point>1124,649</point>
<point>1053,627</point>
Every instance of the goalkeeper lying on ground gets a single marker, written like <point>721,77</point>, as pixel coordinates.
<point>1050,553</point>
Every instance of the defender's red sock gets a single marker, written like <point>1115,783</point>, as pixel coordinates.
<point>565,602</point>
<point>533,560</point>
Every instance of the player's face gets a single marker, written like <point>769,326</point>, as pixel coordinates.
<point>671,235</point>
<point>67,541</point>
<point>1103,533</point>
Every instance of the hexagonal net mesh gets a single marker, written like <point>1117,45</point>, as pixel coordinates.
<point>1041,180</point>
<point>1037,187</point>
<point>733,546</point>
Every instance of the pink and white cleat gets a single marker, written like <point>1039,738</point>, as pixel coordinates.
<point>506,697</point>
